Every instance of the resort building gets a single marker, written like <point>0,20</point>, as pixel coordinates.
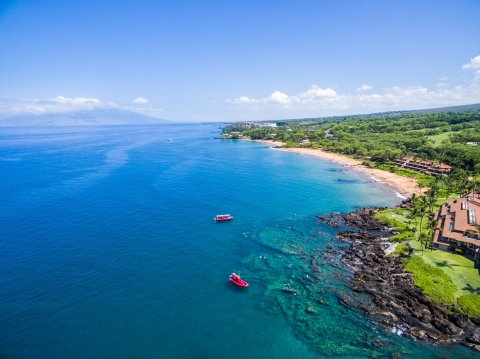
<point>266,124</point>
<point>429,167</point>
<point>458,226</point>
<point>255,124</point>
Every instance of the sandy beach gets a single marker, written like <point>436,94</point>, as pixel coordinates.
<point>404,185</point>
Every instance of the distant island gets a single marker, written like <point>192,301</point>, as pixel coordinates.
<point>95,117</point>
<point>433,158</point>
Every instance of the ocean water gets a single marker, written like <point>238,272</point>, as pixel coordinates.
<point>109,249</point>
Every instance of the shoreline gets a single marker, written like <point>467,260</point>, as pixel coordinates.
<point>405,186</point>
<point>401,305</point>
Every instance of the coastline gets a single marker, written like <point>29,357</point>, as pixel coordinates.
<point>402,306</point>
<point>405,186</point>
<point>396,303</point>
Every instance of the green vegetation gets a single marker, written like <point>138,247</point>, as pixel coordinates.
<point>402,250</point>
<point>433,281</point>
<point>461,270</point>
<point>438,139</point>
<point>470,303</point>
<point>437,136</point>
<point>402,236</point>
<point>394,218</point>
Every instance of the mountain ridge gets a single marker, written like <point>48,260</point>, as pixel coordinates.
<point>458,108</point>
<point>100,117</point>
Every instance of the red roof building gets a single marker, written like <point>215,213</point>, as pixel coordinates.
<point>459,225</point>
<point>429,167</point>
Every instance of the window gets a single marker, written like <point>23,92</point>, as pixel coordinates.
<point>472,216</point>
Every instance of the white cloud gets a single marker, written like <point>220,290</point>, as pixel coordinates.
<point>474,65</point>
<point>313,94</point>
<point>62,104</point>
<point>243,99</point>
<point>328,101</point>
<point>58,104</point>
<point>78,101</point>
<point>316,92</point>
<point>141,101</point>
<point>364,88</point>
<point>279,97</point>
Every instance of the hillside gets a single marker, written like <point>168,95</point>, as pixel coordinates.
<point>460,108</point>
<point>102,117</point>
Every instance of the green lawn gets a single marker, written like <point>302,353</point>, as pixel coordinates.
<point>398,218</point>
<point>470,304</point>
<point>460,269</point>
<point>437,139</point>
<point>431,280</point>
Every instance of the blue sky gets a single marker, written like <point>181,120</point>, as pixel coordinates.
<point>242,60</point>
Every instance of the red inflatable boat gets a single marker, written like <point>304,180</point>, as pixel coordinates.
<point>235,279</point>
<point>223,217</point>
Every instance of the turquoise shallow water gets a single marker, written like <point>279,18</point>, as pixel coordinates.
<point>109,249</point>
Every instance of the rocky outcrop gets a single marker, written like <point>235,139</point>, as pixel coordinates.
<point>397,302</point>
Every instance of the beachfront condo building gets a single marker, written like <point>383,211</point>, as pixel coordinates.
<point>429,167</point>
<point>458,227</point>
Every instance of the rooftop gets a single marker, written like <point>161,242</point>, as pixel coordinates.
<point>458,220</point>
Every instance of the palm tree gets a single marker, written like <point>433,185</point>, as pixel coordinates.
<point>423,239</point>
<point>432,197</point>
<point>422,211</point>
<point>469,186</point>
<point>473,186</point>
<point>432,225</point>
<point>448,181</point>
<point>415,212</point>
<point>461,184</point>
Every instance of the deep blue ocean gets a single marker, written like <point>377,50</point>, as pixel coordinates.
<point>108,249</point>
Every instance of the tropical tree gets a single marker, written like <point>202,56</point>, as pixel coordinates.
<point>432,193</point>
<point>415,213</point>
<point>473,186</point>
<point>423,238</point>
<point>432,225</point>
<point>448,181</point>
<point>460,180</point>
<point>422,208</point>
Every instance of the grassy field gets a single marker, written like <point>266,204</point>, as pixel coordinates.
<point>470,304</point>
<point>394,217</point>
<point>438,139</point>
<point>431,280</point>
<point>402,220</point>
<point>458,268</point>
